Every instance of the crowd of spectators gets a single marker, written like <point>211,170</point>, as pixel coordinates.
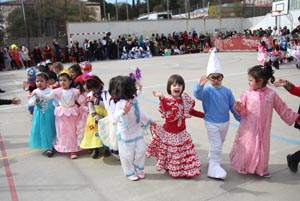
<point>107,48</point>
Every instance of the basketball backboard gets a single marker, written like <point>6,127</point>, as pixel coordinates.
<point>280,8</point>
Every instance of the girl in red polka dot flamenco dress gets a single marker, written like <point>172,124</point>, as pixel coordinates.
<point>171,144</point>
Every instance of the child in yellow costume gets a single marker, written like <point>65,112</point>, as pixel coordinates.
<point>97,111</point>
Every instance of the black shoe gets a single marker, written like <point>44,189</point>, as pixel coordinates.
<point>106,153</point>
<point>49,153</point>
<point>293,166</point>
<point>95,153</point>
<point>2,91</point>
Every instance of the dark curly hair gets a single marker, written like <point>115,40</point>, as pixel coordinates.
<point>122,87</point>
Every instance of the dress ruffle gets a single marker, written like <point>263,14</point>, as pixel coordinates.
<point>174,152</point>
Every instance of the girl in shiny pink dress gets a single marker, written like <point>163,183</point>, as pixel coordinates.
<point>251,148</point>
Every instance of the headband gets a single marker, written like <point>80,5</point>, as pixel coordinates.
<point>65,71</point>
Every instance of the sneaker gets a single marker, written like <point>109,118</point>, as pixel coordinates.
<point>74,155</point>
<point>2,91</point>
<point>292,166</point>
<point>133,178</point>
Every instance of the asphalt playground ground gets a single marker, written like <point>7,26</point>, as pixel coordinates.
<point>27,175</point>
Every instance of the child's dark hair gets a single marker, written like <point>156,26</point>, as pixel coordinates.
<point>264,72</point>
<point>76,68</point>
<point>263,43</point>
<point>42,68</point>
<point>43,75</point>
<point>112,82</point>
<point>123,87</point>
<point>177,79</point>
<point>94,82</point>
<point>52,75</point>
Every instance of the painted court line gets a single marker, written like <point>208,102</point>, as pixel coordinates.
<point>10,180</point>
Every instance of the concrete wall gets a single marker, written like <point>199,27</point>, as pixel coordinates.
<point>146,28</point>
<point>83,31</point>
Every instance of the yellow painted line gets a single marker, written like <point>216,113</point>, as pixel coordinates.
<point>24,153</point>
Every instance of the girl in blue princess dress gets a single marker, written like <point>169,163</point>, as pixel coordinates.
<point>43,123</point>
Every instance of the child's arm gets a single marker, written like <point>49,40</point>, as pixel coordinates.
<point>285,113</point>
<point>122,108</point>
<point>198,87</point>
<point>145,119</point>
<point>197,113</point>
<point>290,87</point>
<point>139,87</point>
<point>92,111</point>
<point>162,100</point>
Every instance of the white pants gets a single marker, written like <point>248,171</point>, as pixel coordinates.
<point>216,136</point>
<point>132,156</point>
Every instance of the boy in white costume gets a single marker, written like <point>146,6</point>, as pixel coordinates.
<point>217,101</point>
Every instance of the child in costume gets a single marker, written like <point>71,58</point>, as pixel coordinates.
<point>58,67</point>
<point>217,101</point>
<point>262,53</point>
<point>294,51</point>
<point>129,119</point>
<point>86,67</point>
<point>79,84</point>
<point>76,74</point>
<point>106,127</point>
<point>29,85</point>
<point>97,111</point>
<point>171,144</point>
<point>43,123</point>
<point>66,115</point>
<point>292,159</point>
<point>251,148</point>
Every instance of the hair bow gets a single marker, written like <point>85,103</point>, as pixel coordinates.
<point>136,75</point>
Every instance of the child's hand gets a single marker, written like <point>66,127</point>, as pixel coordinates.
<point>202,81</point>
<point>127,108</point>
<point>37,99</point>
<point>15,101</point>
<point>280,83</point>
<point>25,85</point>
<point>97,117</point>
<point>158,94</point>
<point>238,106</point>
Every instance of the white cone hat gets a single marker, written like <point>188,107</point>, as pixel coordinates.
<point>213,65</point>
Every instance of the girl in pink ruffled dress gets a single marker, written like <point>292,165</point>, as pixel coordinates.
<point>262,53</point>
<point>66,115</point>
<point>171,144</point>
<point>251,148</point>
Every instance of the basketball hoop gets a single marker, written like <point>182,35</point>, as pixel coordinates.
<point>276,12</point>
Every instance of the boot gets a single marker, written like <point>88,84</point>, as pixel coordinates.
<point>216,171</point>
<point>214,168</point>
<point>293,161</point>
